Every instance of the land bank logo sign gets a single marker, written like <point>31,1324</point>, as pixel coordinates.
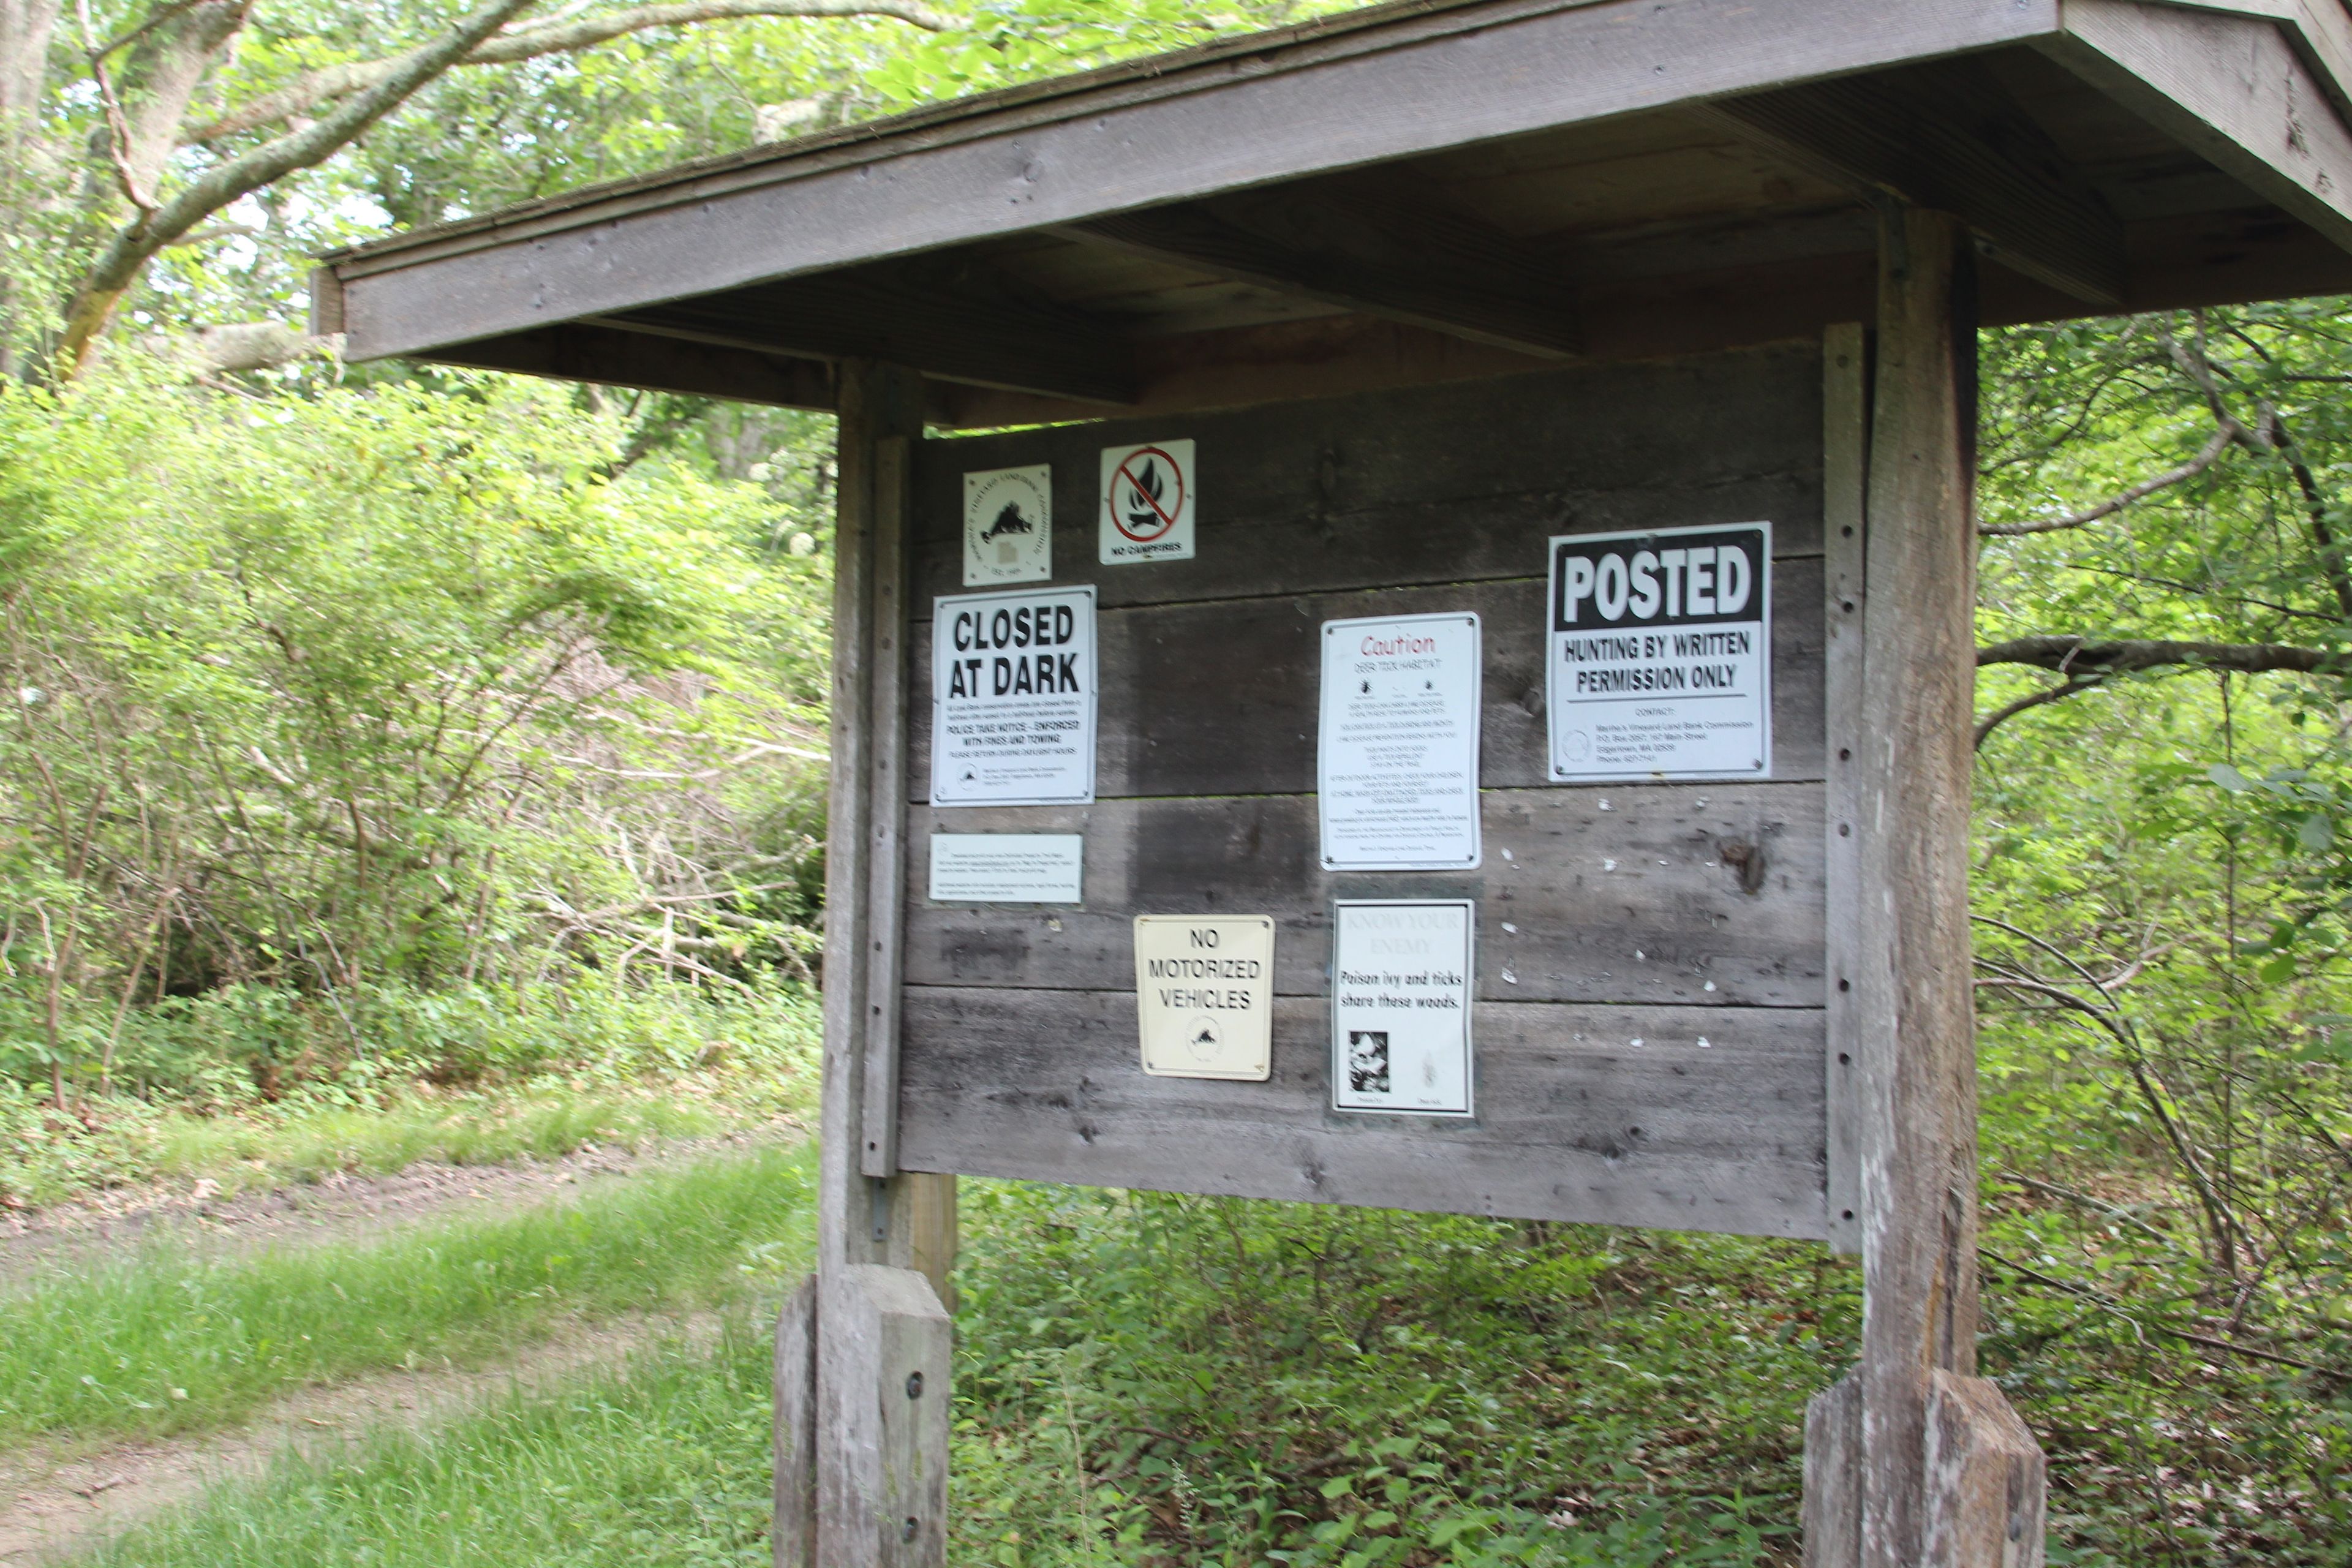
<point>1660,663</point>
<point>1008,526</point>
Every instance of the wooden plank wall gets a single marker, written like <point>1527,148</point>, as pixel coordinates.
<point>1649,1030</point>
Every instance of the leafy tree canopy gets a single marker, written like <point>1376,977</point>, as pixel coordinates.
<point>179,159</point>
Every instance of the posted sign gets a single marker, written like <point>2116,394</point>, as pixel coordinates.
<point>1012,698</point>
<point>1660,656</point>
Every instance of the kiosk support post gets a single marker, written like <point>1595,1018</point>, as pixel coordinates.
<point>862,1350</point>
<point>1913,1460</point>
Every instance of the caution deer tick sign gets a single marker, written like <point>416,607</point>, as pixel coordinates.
<point>1147,503</point>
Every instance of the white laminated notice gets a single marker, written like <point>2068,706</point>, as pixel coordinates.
<point>1660,656</point>
<point>1007,867</point>
<point>1400,991</point>
<point>1397,763</point>
<point>1012,698</point>
<point>1205,995</point>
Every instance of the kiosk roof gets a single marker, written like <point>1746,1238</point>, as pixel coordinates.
<point>1426,191</point>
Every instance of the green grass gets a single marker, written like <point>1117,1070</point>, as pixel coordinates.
<point>660,1465</point>
<point>162,1342</point>
<point>238,1151</point>
<point>48,1157</point>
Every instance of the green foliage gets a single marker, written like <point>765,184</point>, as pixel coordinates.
<point>1003,43</point>
<point>168,1341</point>
<point>2162,890</point>
<point>1156,1380</point>
<point>1166,1380</point>
<point>390,698</point>
<point>568,1068</point>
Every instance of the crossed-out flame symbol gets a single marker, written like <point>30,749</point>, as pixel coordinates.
<point>1142,491</point>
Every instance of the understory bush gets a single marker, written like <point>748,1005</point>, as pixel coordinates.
<point>391,725</point>
<point>1148,1379</point>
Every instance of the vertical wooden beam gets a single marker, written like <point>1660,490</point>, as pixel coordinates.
<point>924,1233</point>
<point>1987,1488</point>
<point>885,881</point>
<point>1832,1512</point>
<point>868,1488</point>
<point>794,1534</point>
<point>1833,1519</point>
<point>861,1192</point>
<point>876,403</point>
<point>1916,1012</point>
<point>1918,1064</point>
<point>882,1420</point>
<point>1845,469</point>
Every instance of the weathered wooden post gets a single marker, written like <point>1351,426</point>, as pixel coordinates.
<point>1911,1459</point>
<point>863,1350</point>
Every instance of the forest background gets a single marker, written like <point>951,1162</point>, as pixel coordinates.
<point>371,732</point>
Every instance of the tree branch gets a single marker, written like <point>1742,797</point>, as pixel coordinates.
<point>2101,1300</point>
<point>2153,1093</point>
<point>136,244</point>
<point>2268,437</point>
<point>2087,664</point>
<point>332,82</point>
<point>2231,433</point>
<point>2315,507</point>
<point>2032,699</point>
<point>2076,657</point>
<point>117,124</point>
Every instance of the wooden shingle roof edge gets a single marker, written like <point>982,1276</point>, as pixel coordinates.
<point>1340,92</point>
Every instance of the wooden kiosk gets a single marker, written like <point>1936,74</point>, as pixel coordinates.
<point>1390,348</point>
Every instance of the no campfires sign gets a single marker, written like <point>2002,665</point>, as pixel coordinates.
<point>1147,503</point>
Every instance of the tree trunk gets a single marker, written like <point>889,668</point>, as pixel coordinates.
<point>161,78</point>
<point>26,27</point>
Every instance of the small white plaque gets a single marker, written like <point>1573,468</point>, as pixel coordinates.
<point>1012,698</point>
<point>1008,526</point>
<point>1397,768</point>
<point>1661,659</point>
<point>1401,992</point>
<point>1148,498</point>
<point>1008,868</point>
<point>1205,995</point>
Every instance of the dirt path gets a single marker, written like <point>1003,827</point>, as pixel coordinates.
<point>340,1207</point>
<point>53,1505</point>
<point>57,1499</point>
